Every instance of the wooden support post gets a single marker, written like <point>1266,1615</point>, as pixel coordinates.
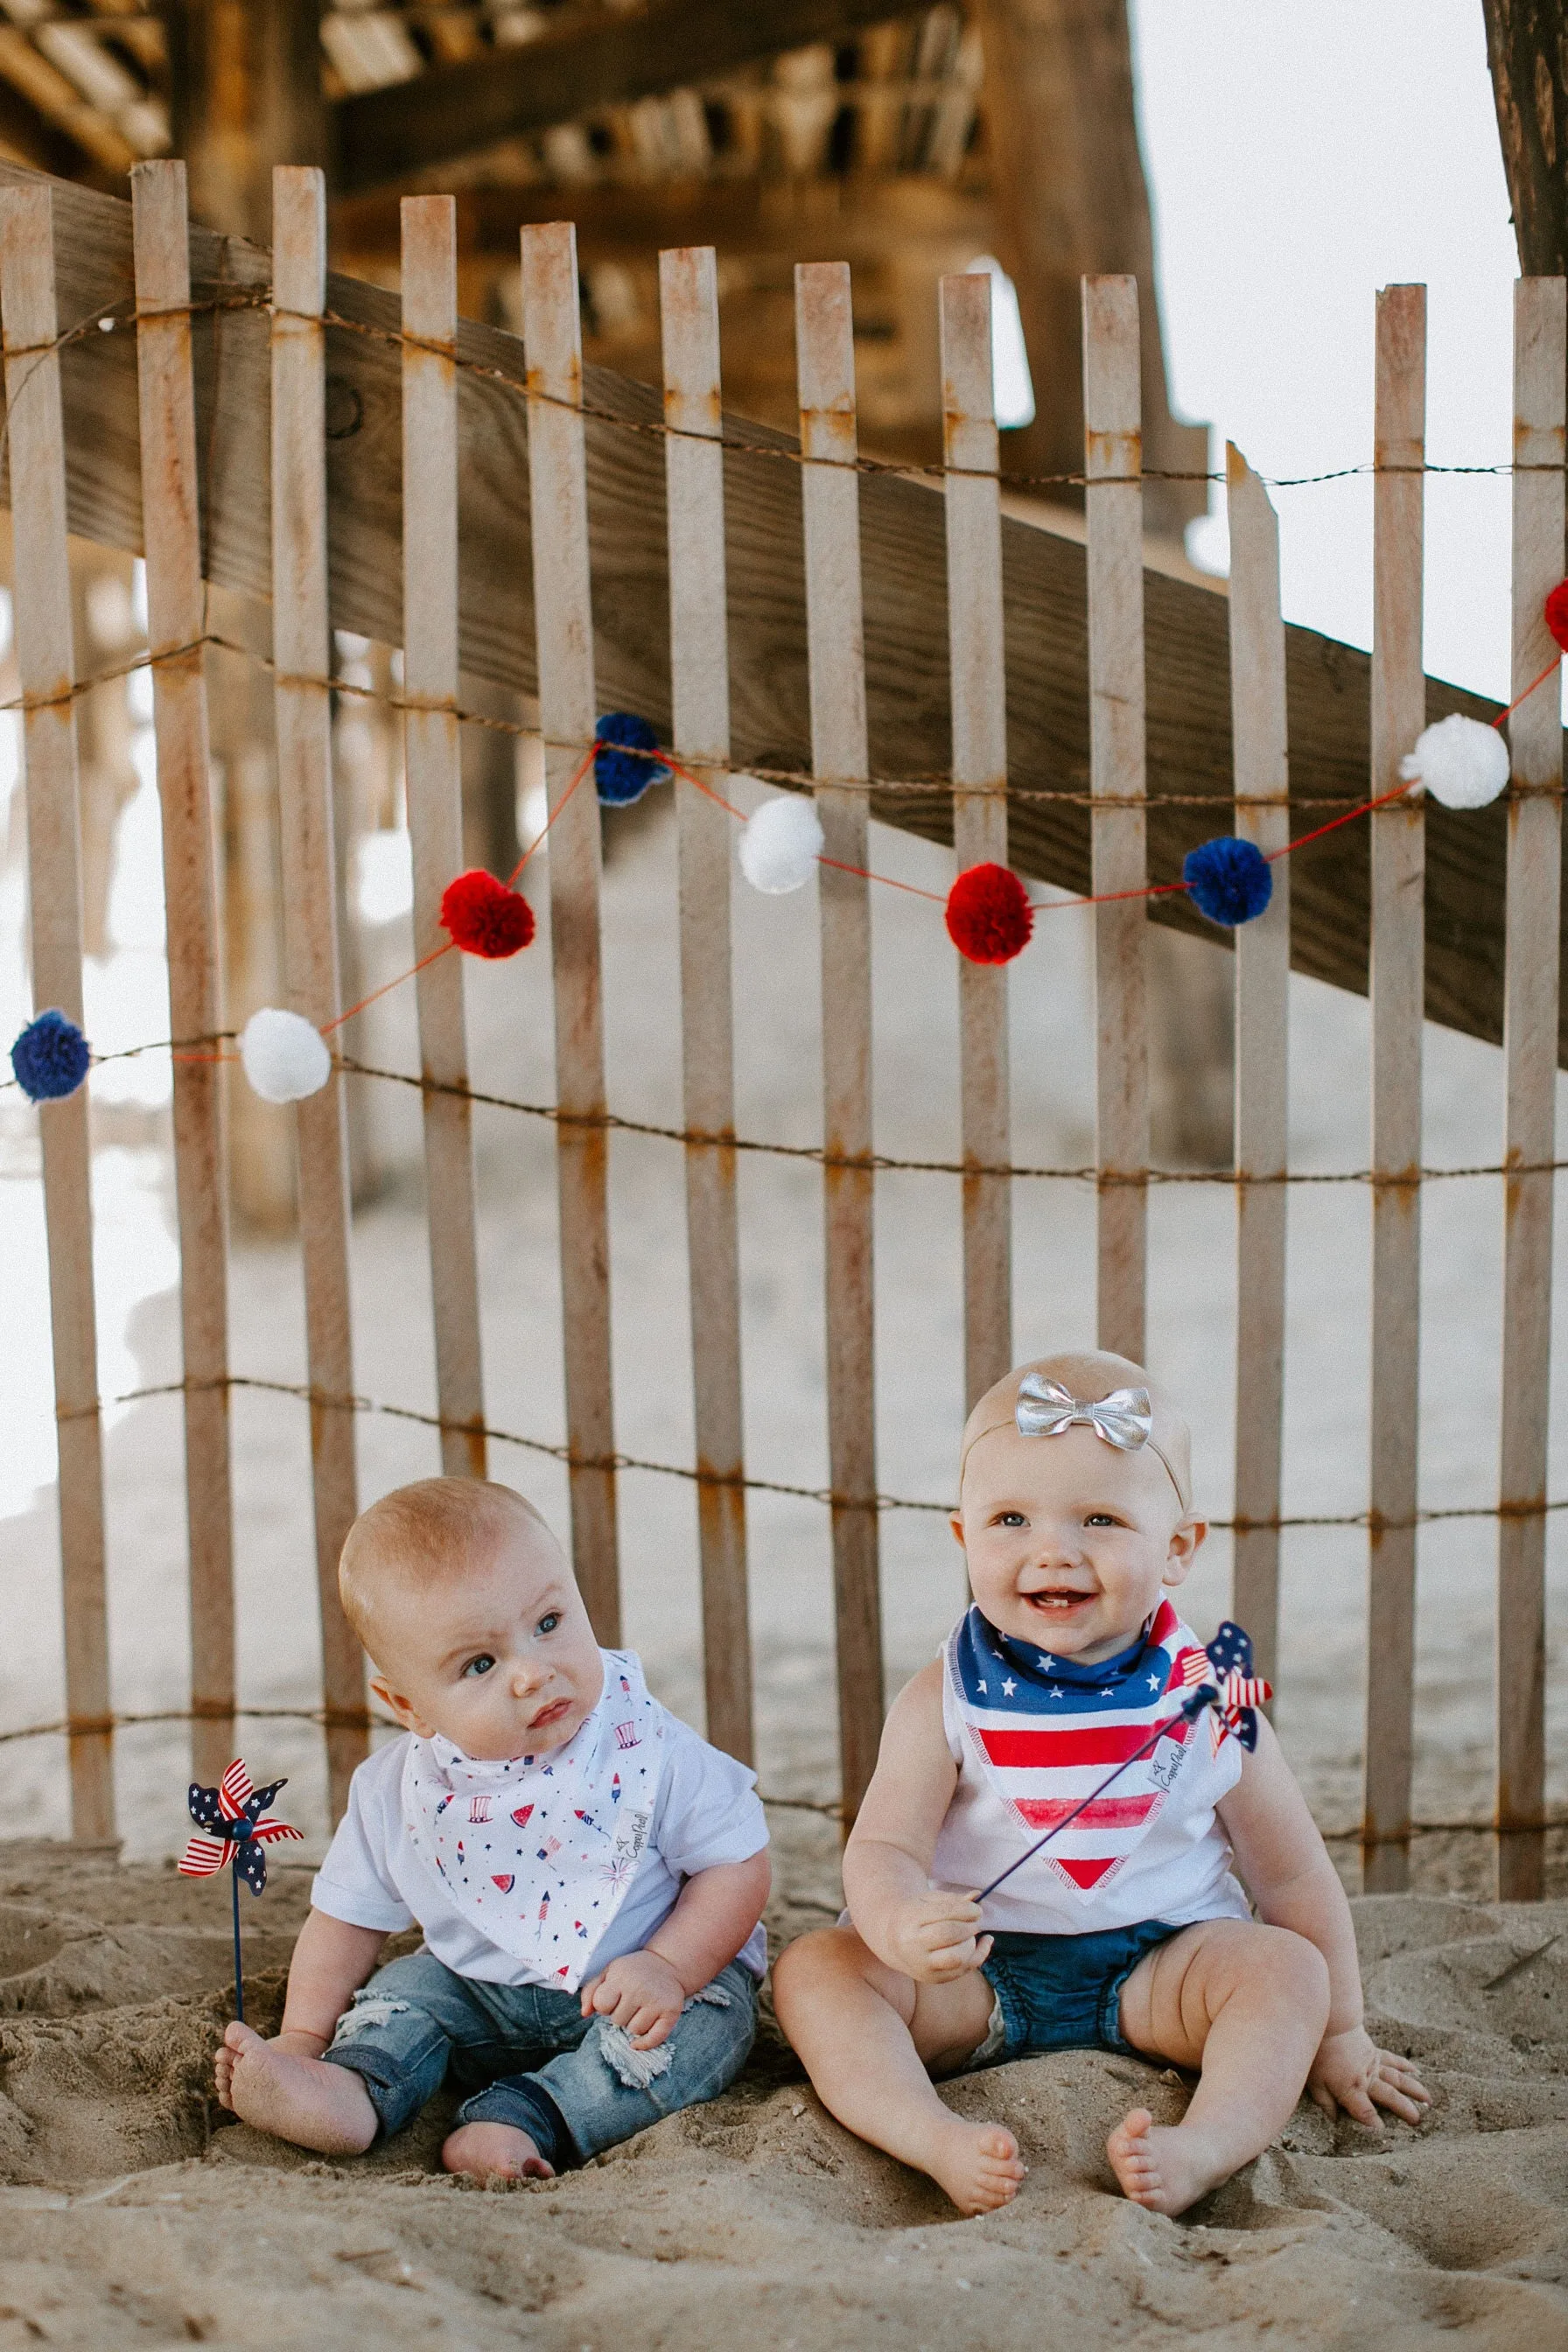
<point>1114,498</point>
<point>1398,957</point>
<point>1530,1040</point>
<point>562,601</point>
<point>974,629</point>
<point>303,652</point>
<point>47,667</point>
<point>176,624</point>
<point>433,766</point>
<point>1262,1068</point>
<point>700,681</point>
<point>836,655</point>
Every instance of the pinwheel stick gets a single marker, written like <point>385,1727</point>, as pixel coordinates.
<point>238,1971</point>
<point>1207,1695</point>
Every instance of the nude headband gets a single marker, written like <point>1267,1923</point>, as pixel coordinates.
<point>1124,1419</point>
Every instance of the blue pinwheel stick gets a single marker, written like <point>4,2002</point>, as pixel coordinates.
<point>1235,1693</point>
<point>237,1830</point>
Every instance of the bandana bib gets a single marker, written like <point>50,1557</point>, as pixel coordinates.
<point>538,1852</point>
<point>1046,1733</point>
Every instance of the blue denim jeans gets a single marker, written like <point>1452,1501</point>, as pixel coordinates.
<point>531,2058</point>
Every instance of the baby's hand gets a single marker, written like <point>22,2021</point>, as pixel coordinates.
<point>639,1992</point>
<point>935,1938</point>
<point>1350,2072</point>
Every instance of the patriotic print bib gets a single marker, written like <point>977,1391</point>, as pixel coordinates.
<point>1036,1734</point>
<point>537,1853</point>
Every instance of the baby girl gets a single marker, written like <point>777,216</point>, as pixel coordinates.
<point>1127,1931</point>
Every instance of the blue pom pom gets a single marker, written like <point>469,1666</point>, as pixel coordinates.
<point>623,776</point>
<point>1230,879</point>
<point>51,1057</point>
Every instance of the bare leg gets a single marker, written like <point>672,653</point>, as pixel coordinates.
<point>495,2152</point>
<point>294,2098</point>
<point>866,2037</point>
<point>1247,2003</point>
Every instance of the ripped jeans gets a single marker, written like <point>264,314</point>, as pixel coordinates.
<point>574,2085</point>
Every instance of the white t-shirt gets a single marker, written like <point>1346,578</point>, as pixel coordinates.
<point>706,1812</point>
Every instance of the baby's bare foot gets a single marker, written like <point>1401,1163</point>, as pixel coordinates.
<point>1167,2168</point>
<point>495,2152</point>
<point>977,2164</point>
<point>300,2099</point>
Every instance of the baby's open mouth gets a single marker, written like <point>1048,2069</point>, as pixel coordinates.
<point>1058,1598</point>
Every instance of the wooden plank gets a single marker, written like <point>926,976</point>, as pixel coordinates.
<point>567,717</point>
<point>975,636</point>
<point>825,358</point>
<point>903,538</point>
<point>177,619</point>
<point>588,62</point>
<point>433,766</point>
<point>1262,1042</point>
<point>700,689</point>
<point>46,664</point>
<point>1398,715</point>
<point>1113,463</point>
<point>302,649</point>
<point>1529,1030</point>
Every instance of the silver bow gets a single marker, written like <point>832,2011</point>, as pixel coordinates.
<point>1124,1419</point>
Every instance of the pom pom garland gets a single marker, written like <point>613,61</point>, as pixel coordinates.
<point>484,918</point>
<point>285,1056</point>
<point>780,844</point>
<point>1557,613</point>
<point>51,1057</point>
<point>989,918</point>
<point>621,776</point>
<point>1229,879</point>
<point>1459,762</point>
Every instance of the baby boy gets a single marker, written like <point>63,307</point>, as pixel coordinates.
<point>1127,1932</point>
<point>588,1873</point>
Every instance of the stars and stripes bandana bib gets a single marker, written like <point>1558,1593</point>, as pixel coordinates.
<point>537,1853</point>
<point>1045,1732</point>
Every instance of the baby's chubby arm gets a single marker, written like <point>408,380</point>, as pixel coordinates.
<point>713,1916</point>
<point>331,1961</point>
<point>928,1932</point>
<point>1284,1866</point>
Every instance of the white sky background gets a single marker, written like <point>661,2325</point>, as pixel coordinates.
<point>1300,157</point>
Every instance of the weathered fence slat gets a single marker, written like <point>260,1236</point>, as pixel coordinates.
<point>551,333</point>
<point>836,654</point>
<point>433,767</point>
<point>302,648</point>
<point>700,686</point>
<point>974,627</point>
<point>1113,463</point>
<point>1262,1031</point>
<point>1398,872</point>
<point>46,662</point>
<point>1529,1038</point>
<point>175,619</point>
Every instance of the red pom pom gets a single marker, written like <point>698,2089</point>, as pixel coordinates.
<point>989,918</point>
<point>1557,614</point>
<point>484,918</point>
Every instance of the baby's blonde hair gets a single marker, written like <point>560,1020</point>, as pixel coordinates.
<point>427,1535</point>
<point>1090,1373</point>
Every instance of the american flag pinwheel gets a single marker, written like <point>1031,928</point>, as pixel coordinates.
<point>1227,1662</point>
<point>235,1830</point>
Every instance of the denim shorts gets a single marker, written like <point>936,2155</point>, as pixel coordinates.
<point>1062,1992</point>
<point>531,2058</point>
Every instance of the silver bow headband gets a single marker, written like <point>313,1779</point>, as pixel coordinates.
<point>1124,1419</point>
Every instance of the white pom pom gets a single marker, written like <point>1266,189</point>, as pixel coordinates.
<point>1461,763</point>
<point>284,1055</point>
<point>780,844</point>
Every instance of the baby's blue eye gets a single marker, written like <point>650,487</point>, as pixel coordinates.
<point>548,1622</point>
<point>1100,1520</point>
<point>1010,1519</point>
<point>482,1665</point>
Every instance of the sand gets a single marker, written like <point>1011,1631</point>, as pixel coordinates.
<point>132,2212</point>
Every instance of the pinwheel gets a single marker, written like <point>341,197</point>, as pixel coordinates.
<point>237,1830</point>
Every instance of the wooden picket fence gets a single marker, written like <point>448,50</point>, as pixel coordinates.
<point>700,671</point>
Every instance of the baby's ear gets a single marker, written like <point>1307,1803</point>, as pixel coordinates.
<point>1186,1538</point>
<point>395,1704</point>
<point>956,1523</point>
